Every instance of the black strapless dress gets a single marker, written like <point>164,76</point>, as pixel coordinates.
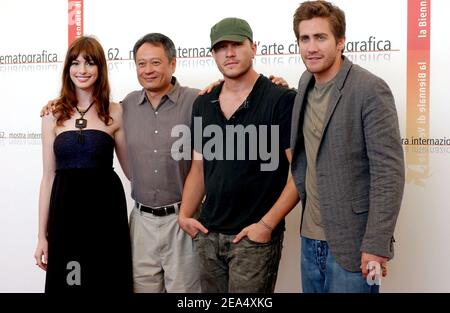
<point>89,246</point>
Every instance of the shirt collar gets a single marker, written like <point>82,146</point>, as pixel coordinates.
<point>173,94</point>
<point>215,93</point>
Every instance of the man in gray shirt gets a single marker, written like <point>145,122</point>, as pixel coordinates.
<point>164,259</point>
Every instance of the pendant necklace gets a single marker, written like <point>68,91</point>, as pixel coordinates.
<point>81,122</point>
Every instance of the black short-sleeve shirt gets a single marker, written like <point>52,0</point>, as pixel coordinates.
<point>244,160</point>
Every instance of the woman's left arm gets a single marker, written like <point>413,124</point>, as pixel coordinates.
<point>119,137</point>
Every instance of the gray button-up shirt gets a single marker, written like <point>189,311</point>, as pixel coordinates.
<point>156,177</point>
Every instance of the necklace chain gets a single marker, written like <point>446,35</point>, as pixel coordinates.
<point>82,113</point>
<point>81,122</point>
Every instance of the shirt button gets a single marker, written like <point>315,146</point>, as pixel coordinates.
<point>156,131</point>
<point>156,113</point>
<point>155,150</point>
<point>156,171</point>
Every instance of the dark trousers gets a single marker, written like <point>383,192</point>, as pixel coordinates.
<point>246,266</point>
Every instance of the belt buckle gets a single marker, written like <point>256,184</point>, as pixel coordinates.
<point>138,206</point>
<point>161,211</point>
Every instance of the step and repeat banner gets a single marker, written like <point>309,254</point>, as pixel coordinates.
<point>405,42</point>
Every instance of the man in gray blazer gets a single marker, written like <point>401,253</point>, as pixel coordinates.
<point>347,160</point>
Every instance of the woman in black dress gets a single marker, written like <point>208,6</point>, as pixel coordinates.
<point>83,240</point>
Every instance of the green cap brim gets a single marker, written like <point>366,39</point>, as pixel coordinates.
<point>235,38</point>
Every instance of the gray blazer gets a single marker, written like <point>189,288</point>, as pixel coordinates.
<point>360,166</point>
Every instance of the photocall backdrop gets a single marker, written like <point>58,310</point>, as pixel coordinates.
<point>405,42</point>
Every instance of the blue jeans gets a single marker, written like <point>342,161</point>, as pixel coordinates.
<point>321,273</point>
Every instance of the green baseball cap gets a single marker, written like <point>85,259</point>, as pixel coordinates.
<point>230,29</point>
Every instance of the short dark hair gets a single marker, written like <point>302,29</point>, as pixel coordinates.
<point>159,40</point>
<point>310,9</point>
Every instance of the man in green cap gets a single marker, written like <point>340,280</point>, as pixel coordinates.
<point>239,233</point>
